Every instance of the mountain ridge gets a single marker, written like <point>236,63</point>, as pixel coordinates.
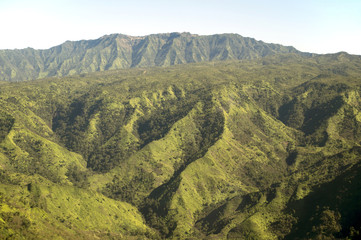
<point>119,51</point>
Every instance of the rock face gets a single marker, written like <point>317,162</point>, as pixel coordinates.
<point>120,52</point>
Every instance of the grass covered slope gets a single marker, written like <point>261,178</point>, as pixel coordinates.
<point>33,207</point>
<point>235,149</point>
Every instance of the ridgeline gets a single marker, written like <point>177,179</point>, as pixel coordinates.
<point>119,51</point>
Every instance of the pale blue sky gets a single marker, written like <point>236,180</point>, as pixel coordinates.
<point>320,26</point>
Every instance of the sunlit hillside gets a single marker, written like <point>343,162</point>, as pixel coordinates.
<point>267,148</point>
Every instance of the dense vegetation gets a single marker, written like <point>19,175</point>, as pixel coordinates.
<point>252,149</point>
<point>119,51</point>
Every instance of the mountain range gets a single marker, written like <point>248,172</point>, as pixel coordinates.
<point>119,51</point>
<point>262,144</point>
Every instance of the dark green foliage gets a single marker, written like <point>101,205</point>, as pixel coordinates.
<point>14,225</point>
<point>291,158</point>
<point>70,122</point>
<point>155,207</point>
<point>36,162</point>
<point>349,127</point>
<point>36,199</point>
<point>6,123</point>
<point>210,123</point>
<point>77,176</point>
<point>310,113</point>
<point>155,125</point>
<point>102,153</point>
<point>331,210</point>
<point>283,225</point>
<point>123,188</point>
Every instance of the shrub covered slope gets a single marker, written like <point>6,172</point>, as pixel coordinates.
<point>261,149</point>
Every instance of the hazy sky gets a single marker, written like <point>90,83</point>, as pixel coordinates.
<point>320,26</point>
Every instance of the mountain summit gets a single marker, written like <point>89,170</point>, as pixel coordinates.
<point>118,51</point>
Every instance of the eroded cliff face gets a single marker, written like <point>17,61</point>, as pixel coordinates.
<point>119,51</point>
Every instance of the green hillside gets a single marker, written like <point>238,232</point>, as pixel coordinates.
<point>267,148</point>
<point>119,51</point>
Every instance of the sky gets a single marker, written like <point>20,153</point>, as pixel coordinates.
<point>318,26</point>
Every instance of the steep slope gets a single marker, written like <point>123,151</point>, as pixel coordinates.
<point>120,51</point>
<point>257,149</point>
<point>34,208</point>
